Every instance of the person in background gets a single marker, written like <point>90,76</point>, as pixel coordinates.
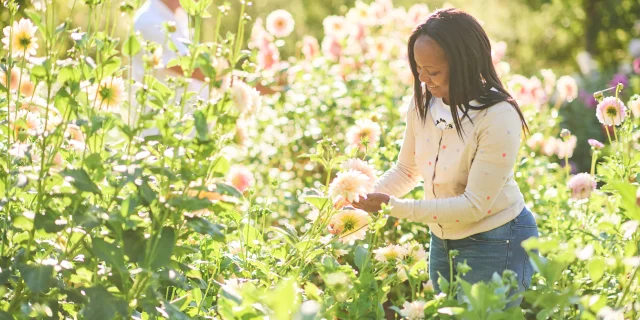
<point>150,22</point>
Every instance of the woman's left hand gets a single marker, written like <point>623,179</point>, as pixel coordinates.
<point>373,202</point>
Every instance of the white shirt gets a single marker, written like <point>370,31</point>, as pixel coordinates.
<point>441,113</point>
<point>149,20</point>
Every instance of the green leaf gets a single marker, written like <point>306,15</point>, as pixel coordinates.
<point>47,221</point>
<point>96,124</point>
<point>189,7</point>
<point>201,125</point>
<point>146,193</point>
<point>158,86</point>
<point>23,223</point>
<point>131,46</point>
<point>34,16</point>
<point>628,193</point>
<point>359,256</point>
<point>80,180</point>
<point>221,167</point>
<point>103,305</point>
<point>224,188</point>
<point>37,278</point>
<point>88,221</point>
<point>312,291</point>
<point>315,198</point>
<point>68,74</point>
<point>38,72</point>
<point>110,66</point>
<point>231,294</point>
<point>289,236</point>
<point>284,291</point>
<point>4,276</point>
<point>134,245</point>
<point>596,268</point>
<point>128,206</point>
<point>164,248</point>
<point>173,312</point>
<point>109,253</point>
<point>5,316</point>
<point>204,226</point>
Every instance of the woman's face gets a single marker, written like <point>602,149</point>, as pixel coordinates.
<point>433,67</point>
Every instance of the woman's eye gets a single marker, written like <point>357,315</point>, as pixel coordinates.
<point>432,74</point>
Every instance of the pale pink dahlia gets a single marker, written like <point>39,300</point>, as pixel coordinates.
<point>595,144</point>
<point>498,51</point>
<point>350,185</point>
<point>331,48</point>
<point>611,111</point>
<point>364,128</point>
<point>567,88</point>
<point>268,56</point>
<point>527,91</point>
<point>362,166</point>
<point>349,225</point>
<point>310,47</point>
<point>335,26</point>
<point>390,253</point>
<point>280,23</point>
<point>246,98</point>
<point>417,14</point>
<point>581,185</point>
<point>413,310</point>
<point>240,177</point>
<point>14,75</point>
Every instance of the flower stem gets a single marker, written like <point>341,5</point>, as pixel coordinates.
<point>9,134</point>
<point>626,289</point>
<point>608,135</point>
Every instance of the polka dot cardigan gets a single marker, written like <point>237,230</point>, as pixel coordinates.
<point>468,181</point>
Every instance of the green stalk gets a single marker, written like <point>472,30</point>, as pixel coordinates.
<point>129,84</point>
<point>594,159</point>
<point>7,180</point>
<point>240,34</point>
<point>626,289</point>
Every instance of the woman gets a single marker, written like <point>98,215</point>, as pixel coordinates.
<point>472,203</point>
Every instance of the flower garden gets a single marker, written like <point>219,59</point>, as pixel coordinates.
<point>138,199</point>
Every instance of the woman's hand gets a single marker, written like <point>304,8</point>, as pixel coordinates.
<point>373,202</point>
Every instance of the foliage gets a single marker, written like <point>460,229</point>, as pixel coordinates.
<point>220,207</point>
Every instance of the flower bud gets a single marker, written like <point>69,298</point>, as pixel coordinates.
<point>598,96</point>
<point>171,26</point>
<point>125,8</point>
<point>619,87</point>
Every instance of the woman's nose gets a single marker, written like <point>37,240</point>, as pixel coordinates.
<point>424,78</point>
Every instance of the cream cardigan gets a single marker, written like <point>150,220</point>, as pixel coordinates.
<point>468,183</point>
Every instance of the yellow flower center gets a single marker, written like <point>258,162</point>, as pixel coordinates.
<point>349,224</point>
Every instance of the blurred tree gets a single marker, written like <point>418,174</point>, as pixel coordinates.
<point>604,27</point>
<point>539,33</point>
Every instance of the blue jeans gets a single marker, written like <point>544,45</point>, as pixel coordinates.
<point>487,252</point>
